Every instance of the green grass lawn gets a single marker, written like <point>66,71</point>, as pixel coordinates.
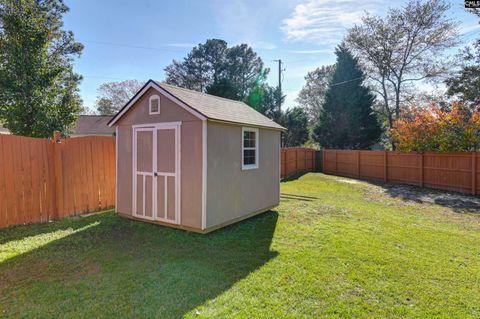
<point>349,249</point>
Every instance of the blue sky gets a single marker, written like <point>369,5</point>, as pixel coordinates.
<point>136,39</point>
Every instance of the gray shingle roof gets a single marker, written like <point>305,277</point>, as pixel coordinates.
<point>85,125</point>
<point>218,108</point>
<point>4,130</point>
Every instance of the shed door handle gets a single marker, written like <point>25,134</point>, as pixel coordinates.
<point>155,174</point>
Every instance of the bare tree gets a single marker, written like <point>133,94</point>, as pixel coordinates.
<point>312,95</point>
<point>113,95</point>
<point>406,46</point>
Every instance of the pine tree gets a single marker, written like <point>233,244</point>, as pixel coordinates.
<point>215,68</point>
<point>295,120</point>
<point>347,119</point>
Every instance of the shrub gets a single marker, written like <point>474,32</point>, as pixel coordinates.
<point>453,129</point>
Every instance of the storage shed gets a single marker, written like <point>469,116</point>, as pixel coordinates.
<point>194,161</point>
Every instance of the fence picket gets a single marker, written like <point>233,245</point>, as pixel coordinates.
<point>448,171</point>
<point>474,173</point>
<point>44,180</point>
<point>3,199</point>
<point>292,163</point>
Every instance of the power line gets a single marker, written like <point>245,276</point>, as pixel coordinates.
<point>131,46</point>
<point>339,83</point>
<point>104,77</point>
<point>469,33</point>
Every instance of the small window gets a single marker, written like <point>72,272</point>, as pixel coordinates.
<point>249,148</point>
<point>154,104</point>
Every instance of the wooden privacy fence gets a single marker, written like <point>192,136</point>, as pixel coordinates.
<point>296,160</point>
<point>450,171</point>
<point>44,180</point>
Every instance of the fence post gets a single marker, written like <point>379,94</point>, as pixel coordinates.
<point>281,162</point>
<point>336,161</point>
<point>323,160</point>
<point>305,151</point>
<point>58,169</point>
<point>358,164</point>
<point>421,169</point>
<point>474,173</point>
<point>296,160</point>
<point>385,164</point>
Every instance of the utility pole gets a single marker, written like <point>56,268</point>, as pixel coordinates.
<point>280,75</point>
<point>280,70</point>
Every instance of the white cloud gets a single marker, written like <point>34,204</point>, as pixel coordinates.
<point>325,21</point>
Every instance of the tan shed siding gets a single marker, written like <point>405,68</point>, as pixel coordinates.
<point>191,174</point>
<point>231,191</point>
<point>191,156</point>
<point>124,173</point>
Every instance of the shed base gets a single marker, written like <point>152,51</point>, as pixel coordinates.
<point>238,219</point>
<point>198,230</point>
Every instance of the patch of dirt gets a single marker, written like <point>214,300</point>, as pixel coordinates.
<point>347,181</point>
<point>421,195</point>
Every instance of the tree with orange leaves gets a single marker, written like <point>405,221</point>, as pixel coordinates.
<point>453,129</point>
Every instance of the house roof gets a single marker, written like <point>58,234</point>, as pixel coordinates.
<point>207,106</point>
<point>4,130</point>
<point>93,125</point>
<point>85,125</point>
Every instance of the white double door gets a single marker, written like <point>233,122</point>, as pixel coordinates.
<point>156,167</point>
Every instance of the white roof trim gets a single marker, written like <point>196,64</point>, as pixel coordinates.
<point>165,93</point>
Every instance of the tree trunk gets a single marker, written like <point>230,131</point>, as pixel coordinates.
<point>397,100</point>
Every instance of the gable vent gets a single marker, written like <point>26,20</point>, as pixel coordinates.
<point>154,104</point>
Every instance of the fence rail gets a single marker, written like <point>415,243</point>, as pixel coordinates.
<point>44,180</point>
<point>449,171</point>
<point>296,160</point>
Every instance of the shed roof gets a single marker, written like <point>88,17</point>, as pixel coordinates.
<point>210,106</point>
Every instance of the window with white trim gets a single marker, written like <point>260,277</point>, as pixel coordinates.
<point>249,148</point>
<point>154,104</point>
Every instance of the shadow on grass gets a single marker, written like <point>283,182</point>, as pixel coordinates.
<point>117,267</point>
<point>20,232</point>
<point>294,177</point>
<point>298,197</point>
